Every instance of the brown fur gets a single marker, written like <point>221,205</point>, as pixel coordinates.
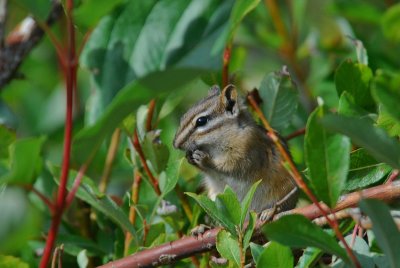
<point>231,149</point>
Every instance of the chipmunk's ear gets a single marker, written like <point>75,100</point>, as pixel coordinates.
<point>214,90</point>
<point>229,100</point>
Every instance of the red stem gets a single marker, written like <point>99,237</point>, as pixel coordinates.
<point>75,186</point>
<point>225,68</point>
<point>69,66</point>
<point>138,148</point>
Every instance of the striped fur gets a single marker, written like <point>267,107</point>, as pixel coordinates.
<point>231,149</point>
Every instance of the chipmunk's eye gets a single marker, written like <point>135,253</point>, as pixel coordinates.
<point>201,121</point>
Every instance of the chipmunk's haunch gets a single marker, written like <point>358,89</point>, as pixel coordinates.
<point>222,139</point>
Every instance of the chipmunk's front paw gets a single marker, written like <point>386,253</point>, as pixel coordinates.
<point>268,214</point>
<point>197,158</point>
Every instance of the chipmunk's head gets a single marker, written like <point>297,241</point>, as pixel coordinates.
<point>211,121</point>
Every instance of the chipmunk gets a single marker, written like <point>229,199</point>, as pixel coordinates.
<point>221,138</point>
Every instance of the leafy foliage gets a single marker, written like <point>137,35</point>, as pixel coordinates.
<point>141,65</point>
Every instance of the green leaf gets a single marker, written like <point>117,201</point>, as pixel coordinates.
<point>12,262</point>
<point>89,193</point>
<point>249,230</point>
<point>327,158</point>
<point>210,208</point>
<point>375,140</point>
<point>279,96</point>
<point>276,255</point>
<point>298,232</point>
<point>256,251</point>
<point>385,229</point>
<point>355,78</point>
<point>20,219</point>
<point>87,140</point>
<point>25,160</point>
<point>239,11</point>
<point>247,201</point>
<point>388,123</point>
<point>155,151</point>
<point>172,172</point>
<point>74,244</point>
<point>228,205</point>
<point>386,91</point>
<point>364,170</point>
<point>154,232</point>
<point>89,12</point>
<point>7,137</point>
<point>348,107</point>
<point>228,247</point>
<point>40,9</point>
<point>391,23</point>
<point>186,33</point>
<point>309,258</point>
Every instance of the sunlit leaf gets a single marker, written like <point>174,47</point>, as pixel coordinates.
<point>247,201</point>
<point>249,229</point>
<point>302,233</point>
<point>279,96</point>
<point>12,262</point>
<point>172,172</point>
<point>391,23</point>
<point>327,158</point>
<point>228,247</point>
<point>375,140</point>
<point>355,78</point>
<point>386,91</point>
<point>25,160</point>
<point>364,170</point>
<point>210,208</point>
<point>276,255</point>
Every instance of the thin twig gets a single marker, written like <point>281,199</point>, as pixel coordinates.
<point>42,197</point>
<point>77,182</point>
<point>112,152</point>
<point>138,148</point>
<point>150,113</point>
<point>295,134</point>
<point>132,210</point>
<point>299,180</point>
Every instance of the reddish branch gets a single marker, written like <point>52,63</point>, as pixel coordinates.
<point>138,148</point>
<point>20,42</point>
<point>295,134</point>
<point>188,246</point>
<point>69,64</point>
